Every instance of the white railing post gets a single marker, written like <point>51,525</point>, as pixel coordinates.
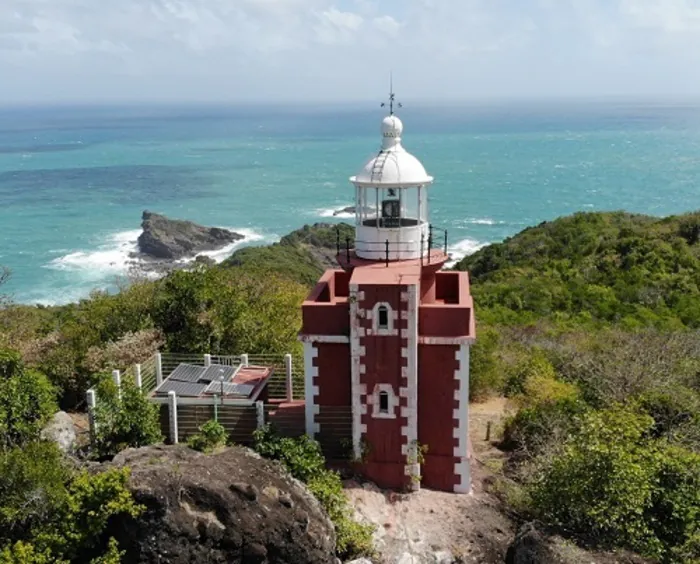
<point>207,360</point>
<point>172,411</point>
<point>137,376</point>
<point>260,412</point>
<point>159,369</point>
<point>91,403</point>
<point>244,360</point>
<point>118,382</point>
<point>288,373</point>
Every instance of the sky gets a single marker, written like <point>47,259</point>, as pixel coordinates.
<point>343,50</point>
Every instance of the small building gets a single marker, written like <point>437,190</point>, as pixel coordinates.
<point>388,334</point>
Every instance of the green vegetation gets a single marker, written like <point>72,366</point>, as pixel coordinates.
<point>304,460</point>
<point>49,510</point>
<point>27,401</point>
<point>589,324</point>
<point>634,270</point>
<point>123,418</point>
<point>211,437</point>
<point>215,310</point>
<point>301,256</point>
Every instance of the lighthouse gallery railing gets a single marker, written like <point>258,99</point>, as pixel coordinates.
<point>396,248</point>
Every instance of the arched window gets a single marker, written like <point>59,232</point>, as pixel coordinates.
<point>383,319</point>
<point>384,402</point>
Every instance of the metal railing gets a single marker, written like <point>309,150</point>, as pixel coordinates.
<point>394,249</point>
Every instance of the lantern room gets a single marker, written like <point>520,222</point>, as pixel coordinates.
<point>391,201</point>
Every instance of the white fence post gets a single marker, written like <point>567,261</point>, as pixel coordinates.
<point>207,360</point>
<point>118,382</point>
<point>159,369</point>
<point>137,376</point>
<point>288,372</point>
<point>244,360</point>
<point>172,410</point>
<point>91,403</point>
<point>260,412</point>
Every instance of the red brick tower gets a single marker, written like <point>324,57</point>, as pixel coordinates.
<point>387,336</point>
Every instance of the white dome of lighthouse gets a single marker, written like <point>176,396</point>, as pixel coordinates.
<point>393,166</point>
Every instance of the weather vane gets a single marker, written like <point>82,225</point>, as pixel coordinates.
<point>392,97</point>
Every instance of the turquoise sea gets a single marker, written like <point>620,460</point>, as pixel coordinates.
<point>74,180</point>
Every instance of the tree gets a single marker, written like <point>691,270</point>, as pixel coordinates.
<point>27,401</point>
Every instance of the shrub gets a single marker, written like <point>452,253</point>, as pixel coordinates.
<point>27,401</point>
<point>32,485</point>
<point>485,376</point>
<point>617,485</point>
<point>49,512</point>
<point>211,436</point>
<point>123,418</point>
<point>302,456</point>
<point>304,460</point>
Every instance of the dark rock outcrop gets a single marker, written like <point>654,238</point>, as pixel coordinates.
<point>173,239</point>
<point>228,507</point>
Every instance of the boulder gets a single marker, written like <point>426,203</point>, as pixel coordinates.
<point>61,431</point>
<point>173,239</point>
<point>232,506</point>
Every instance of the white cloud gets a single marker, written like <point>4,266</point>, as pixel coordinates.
<point>304,48</point>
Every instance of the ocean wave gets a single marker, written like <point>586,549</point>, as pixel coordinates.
<point>463,248</point>
<point>110,258</point>
<point>222,254</point>
<point>114,257</point>
<point>331,212</point>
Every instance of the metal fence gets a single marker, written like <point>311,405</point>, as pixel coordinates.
<point>150,373</point>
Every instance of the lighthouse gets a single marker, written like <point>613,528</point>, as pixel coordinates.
<point>387,335</point>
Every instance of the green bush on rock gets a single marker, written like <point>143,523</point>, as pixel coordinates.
<point>52,512</point>
<point>211,436</point>
<point>123,418</point>
<point>303,458</point>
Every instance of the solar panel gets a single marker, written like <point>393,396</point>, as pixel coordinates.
<point>215,371</point>
<point>187,373</point>
<point>184,389</point>
<point>230,389</point>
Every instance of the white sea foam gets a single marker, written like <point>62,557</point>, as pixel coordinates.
<point>114,256</point>
<point>109,259</point>
<point>222,254</point>
<point>482,221</point>
<point>331,212</point>
<point>462,249</point>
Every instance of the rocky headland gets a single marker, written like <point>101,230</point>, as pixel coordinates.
<point>174,239</point>
<point>166,244</point>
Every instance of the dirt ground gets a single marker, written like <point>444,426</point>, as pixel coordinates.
<point>431,526</point>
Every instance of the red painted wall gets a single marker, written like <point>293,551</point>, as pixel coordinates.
<point>436,404</point>
<point>333,380</point>
<point>383,362</point>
